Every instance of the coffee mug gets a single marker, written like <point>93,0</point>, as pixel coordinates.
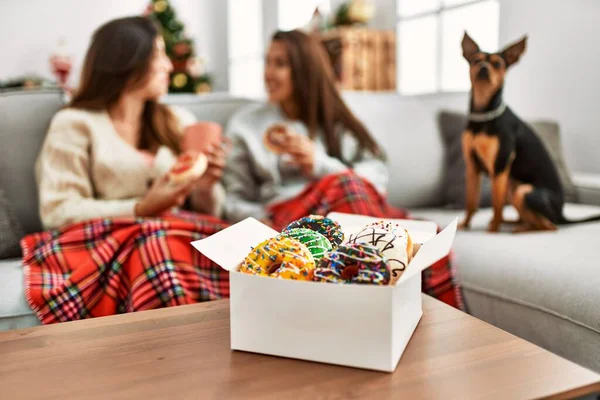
<point>200,136</point>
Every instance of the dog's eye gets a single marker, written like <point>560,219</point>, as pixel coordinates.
<point>475,62</point>
<point>497,64</point>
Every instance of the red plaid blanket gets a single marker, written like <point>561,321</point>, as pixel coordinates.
<point>110,266</point>
<point>348,193</point>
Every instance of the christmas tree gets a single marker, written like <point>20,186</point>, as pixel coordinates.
<point>188,74</point>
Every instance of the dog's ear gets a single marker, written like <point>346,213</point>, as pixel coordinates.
<point>513,52</point>
<point>469,47</point>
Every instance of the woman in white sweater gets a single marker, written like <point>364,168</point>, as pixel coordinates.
<point>325,158</point>
<point>102,178</point>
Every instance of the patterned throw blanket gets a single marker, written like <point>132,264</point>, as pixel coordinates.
<point>110,266</point>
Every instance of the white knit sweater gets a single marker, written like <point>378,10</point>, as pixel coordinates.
<point>85,170</point>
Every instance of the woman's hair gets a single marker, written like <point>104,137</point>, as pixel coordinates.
<point>119,56</point>
<point>316,95</point>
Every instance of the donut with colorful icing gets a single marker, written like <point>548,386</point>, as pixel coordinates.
<point>317,244</point>
<point>354,263</point>
<point>280,257</point>
<point>325,226</point>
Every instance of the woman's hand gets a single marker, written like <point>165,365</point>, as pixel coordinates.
<point>163,195</point>
<point>216,163</point>
<point>302,150</point>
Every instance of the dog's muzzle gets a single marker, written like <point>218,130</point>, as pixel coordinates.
<point>483,73</point>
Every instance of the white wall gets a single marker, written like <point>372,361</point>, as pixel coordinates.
<point>558,75</point>
<point>30,30</point>
<point>386,15</point>
<point>211,36</point>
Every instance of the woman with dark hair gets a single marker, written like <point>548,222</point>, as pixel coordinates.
<point>327,159</point>
<point>115,245</point>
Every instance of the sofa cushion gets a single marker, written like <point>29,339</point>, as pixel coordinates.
<point>453,190</point>
<point>406,129</point>
<point>588,187</point>
<point>451,127</point>
<point>10,230</point>
<point>554,273</point>
<point>12,291</point>
<point>549,133</point>
<point>24,120</point>
<point>556,334</point>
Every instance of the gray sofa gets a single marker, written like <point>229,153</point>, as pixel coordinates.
<point>542,287</point>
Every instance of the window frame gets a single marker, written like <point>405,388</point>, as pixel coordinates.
<point>438,14</point>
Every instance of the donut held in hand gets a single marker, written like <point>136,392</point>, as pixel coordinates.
<point>276,138</point>
<point>188,167</point>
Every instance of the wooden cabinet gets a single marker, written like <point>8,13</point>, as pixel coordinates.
<point>362,59</point>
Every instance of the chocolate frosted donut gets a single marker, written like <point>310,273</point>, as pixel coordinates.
<point>354,263</point>
<point>325,226</point>
<point>316,243</point>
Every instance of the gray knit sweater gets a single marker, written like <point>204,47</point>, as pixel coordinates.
<point>255,177</point>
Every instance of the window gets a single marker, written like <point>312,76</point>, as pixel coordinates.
<point>249,25</point>
<point>246,47</point>
<point>429,36</point>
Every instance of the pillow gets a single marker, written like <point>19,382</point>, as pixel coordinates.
<point>452,125</point>
<point>549,133</point>
<point>10,230</point>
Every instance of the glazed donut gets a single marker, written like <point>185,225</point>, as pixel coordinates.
<point>325,226</point>
<point>411,247</point>
<point>394,244</point>
<point>354,263</point>
<point>316,243</point>
<point>280,257</point>
<point>188,167</point>
<point>275,138</point>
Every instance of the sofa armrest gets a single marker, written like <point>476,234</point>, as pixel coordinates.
<point>588,187</point>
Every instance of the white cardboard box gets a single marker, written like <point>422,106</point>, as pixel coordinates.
<point>359,326</point>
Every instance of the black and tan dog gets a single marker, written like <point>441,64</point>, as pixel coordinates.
<point>498,143</point>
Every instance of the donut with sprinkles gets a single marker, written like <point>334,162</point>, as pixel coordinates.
<point>354,263</point>
<point>280,257</point>
<point>316,243</point>
<point>394,242</point>
<point>325,226</point>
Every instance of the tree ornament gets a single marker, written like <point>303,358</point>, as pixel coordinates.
<point>160,6</point>
<point>179,80</point>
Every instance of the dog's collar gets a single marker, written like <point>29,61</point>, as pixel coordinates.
<point>488,116</point>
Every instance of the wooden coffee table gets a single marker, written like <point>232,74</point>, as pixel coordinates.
<point>183,352</point>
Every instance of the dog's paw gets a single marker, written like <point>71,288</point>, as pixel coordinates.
<point>521,228</point>
<point>464,226</point>
<point>494,226</point>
